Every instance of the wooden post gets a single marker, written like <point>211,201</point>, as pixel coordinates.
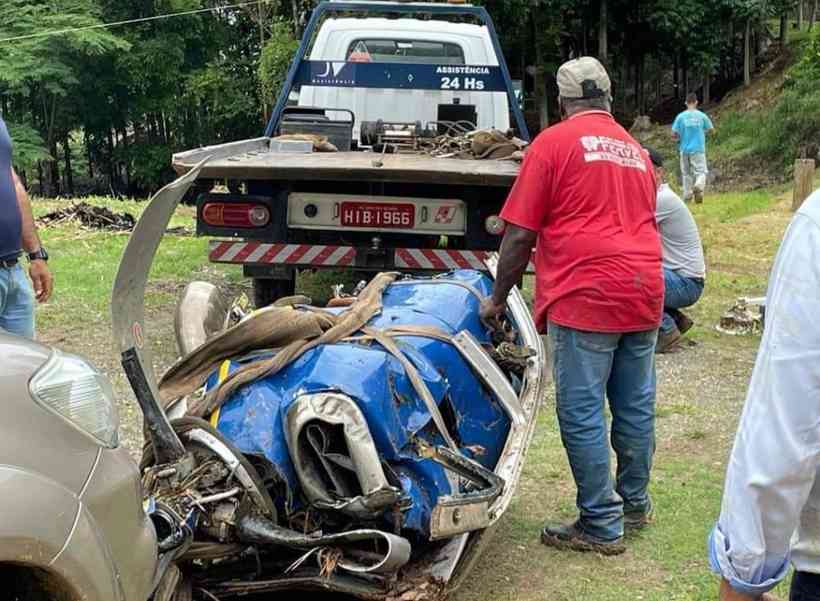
<point>803,181</point>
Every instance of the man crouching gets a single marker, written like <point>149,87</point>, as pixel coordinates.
<point>684,268</point>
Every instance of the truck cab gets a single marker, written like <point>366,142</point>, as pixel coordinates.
<point>382,40</point>
<point>399,92</point>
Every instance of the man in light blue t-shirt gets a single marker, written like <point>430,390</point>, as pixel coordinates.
<point>690,129</point>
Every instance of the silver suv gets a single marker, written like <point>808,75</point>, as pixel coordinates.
<point>73,524</point>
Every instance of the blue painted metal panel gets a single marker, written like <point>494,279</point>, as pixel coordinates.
<point>405,76</point>
<point>253,418</point>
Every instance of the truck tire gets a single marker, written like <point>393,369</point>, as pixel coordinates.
<point>265,290</point>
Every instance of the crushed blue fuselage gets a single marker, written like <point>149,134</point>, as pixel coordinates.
<point>254,417</point>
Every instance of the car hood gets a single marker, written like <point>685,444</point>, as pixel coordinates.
<point>22,356</point>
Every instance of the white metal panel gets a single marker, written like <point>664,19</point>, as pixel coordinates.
<point>368,104</point>
<point>432,215</point>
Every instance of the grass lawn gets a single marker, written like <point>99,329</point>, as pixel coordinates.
<point>700,393</point>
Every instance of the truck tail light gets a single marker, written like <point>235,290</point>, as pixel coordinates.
<point>495,225</point>
<point>235,214</point>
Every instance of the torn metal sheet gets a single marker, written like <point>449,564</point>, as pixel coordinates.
<point>376,463</point>
<point>326,467</point>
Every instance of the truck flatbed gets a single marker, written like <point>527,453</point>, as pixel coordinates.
<point>252,159</point>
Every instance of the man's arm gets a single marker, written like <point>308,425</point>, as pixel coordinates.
<point>31,241</point>
<point>516,250</point>
<point>776,453</point>
<point>41,277</point>
<point>525,212</point>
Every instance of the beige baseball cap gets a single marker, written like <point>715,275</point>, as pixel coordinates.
<point>583,77</point>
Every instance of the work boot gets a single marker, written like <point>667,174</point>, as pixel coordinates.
<point>698,195</point>
<point>667,341</point>
<point>639,519</point>
<point>684,322</point>
<point>571,537</point>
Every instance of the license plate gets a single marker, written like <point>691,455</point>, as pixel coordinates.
<point>378,215</point>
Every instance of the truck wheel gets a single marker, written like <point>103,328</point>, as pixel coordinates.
<point>265,291</point>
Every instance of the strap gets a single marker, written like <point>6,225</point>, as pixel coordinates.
<point>415,379</point>
<point>319,328</point>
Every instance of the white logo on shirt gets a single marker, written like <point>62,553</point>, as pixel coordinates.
<point>602,148</point>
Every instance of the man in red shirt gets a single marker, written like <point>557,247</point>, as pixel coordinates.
<point>585,197</point>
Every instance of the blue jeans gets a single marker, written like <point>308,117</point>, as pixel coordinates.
<point>589,367</point>
<point>16,302</point>
<point>679,292</point>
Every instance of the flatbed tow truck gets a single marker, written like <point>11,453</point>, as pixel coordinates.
<point>389,85</point>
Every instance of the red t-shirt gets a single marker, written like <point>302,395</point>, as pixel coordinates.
<point>588,189</point>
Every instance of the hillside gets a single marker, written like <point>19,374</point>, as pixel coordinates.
<point>756,140</point>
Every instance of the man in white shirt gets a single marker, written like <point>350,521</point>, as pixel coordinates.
<point>772,492</point>
<point>684,268</point>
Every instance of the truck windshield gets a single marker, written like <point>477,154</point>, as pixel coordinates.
<point>405,51</point>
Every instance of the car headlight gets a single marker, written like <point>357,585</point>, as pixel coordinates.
<point>78,392</point>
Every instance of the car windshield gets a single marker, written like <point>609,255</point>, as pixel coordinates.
<point>405,51</point>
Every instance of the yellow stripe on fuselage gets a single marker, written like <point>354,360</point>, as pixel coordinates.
<point>224,370</point>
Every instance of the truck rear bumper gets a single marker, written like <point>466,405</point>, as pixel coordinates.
<point>317,256</point>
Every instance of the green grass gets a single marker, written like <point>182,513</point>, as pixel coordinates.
<point>736,136</point>
<point>85,262</point>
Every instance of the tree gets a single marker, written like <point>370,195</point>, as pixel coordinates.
<point>275,59</point>
<point>46,70</point>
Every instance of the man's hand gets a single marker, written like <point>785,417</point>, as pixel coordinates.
<point>490,309</point>
<point>41,279</point>
<point>727,593</point>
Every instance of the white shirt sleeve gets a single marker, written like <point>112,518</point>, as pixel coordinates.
<point>772,466</point>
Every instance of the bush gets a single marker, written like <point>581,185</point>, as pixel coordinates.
<point>275,60</point>
<point>737,134</point>
<point>794,124</point>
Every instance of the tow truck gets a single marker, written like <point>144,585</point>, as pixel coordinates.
<point>382,83</point>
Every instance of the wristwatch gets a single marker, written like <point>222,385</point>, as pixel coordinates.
<point>39,254</point>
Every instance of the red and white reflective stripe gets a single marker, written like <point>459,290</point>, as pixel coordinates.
<point>318,255</point>
<point>441,259</point>
<point>434,258</point>
<point>315,255</point>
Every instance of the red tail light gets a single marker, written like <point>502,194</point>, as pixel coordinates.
<point>235,214</point>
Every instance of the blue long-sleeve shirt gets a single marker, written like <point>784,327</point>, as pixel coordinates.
<point>771,503</point>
